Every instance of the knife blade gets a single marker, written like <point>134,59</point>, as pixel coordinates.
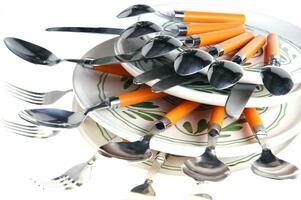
<point>127,57</point>
<point>156,73</point>
<point>102,30</point>
<point>238,98</point>
<point>175,79</point>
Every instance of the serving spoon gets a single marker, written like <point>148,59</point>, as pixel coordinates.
<point>208,167</point>
<point>267,165</point>
<point>185,16</point>
<point>38,55</point>
<point>138,29</point>
<point>57,118</point>
<point>140,150</point>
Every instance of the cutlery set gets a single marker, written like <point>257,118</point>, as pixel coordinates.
<point>200,45</point>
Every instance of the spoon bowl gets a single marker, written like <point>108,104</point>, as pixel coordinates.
<point>135,10</point>
<point>160,45</point>
<point>276,80</point>
<point>192,61</point>
<point>269,166</point>
<point>54,118</point>
<point>207,167</point>
<point>31,52</point>
<point>132,151</point>
<point>224,74</point>
<point>139,29</point>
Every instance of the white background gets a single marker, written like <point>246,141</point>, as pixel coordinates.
<point>25,158</point>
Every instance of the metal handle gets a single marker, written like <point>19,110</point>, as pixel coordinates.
<point>157,164</point>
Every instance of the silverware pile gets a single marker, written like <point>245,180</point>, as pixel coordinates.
<point>221,33</point>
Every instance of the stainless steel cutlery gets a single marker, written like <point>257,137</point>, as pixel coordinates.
<point>74,177</point>
<point>267,165</point>
<point>140,150</point>
<point>57,118</point>
<point>38,98</point>
<point>145,190</point>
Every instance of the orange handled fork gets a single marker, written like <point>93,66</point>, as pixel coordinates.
<point>213,37</point>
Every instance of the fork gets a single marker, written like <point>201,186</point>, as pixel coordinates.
<point>32,131</point>
<point>38,98</point>
<point>72,178</point>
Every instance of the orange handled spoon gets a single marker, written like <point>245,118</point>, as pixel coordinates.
<point>140,150</point>
<point>195,40</point>
<point>267,165</point>
<point>193,61</point>
<point>224,74</point>
<point>185,16</point>
<point>57,118</point>
<point>275,79</point>
<point>208,167</point>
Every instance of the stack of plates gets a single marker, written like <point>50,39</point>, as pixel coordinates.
<point>236,146</point>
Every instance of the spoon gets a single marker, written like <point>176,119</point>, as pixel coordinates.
<point>208,38</point>
<point>191,62</point>
<point>140,150</point>
<point>208,167</point>
<point>136,30</point>
<point>224,74</point>
<point>57,118</point>
<point>268,165</point>
<point>146,189</point>
<point>275,79</point>
<point>39,55</point>
<point>185,16</point>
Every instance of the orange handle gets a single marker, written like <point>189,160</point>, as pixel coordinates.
<point>194,16</point>
<point>272,48</point>
<point>139,96</point>
<point>252,47</point>
<point>252,117</point>
<point>219,36</point>
<point>116,69</point>
<point>181,111</point>
<point>196,28</point>
<point>217,116</point>
<point>236,42</point>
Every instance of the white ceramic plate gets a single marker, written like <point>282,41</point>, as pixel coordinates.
<point>188,136</point>
<point>258,23</point>
<point>97,136</point>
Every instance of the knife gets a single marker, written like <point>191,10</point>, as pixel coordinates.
<point>175,30</point>
<point>156,73</point>
<point>104,30</point>
<point>241,92</point>
<point>175,79</point>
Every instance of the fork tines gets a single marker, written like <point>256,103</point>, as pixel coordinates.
<point>28,130</point>
<point>26,95</point>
